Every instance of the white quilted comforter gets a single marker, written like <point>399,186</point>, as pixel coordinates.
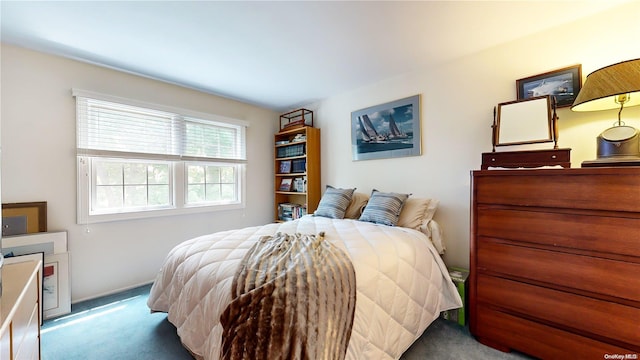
<point>402,284</point>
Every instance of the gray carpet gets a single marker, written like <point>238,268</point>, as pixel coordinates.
<point>121,327</point>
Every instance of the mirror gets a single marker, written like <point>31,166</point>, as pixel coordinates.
<point>526,121</point>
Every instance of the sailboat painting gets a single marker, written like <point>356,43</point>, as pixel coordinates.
<point>387,131</point>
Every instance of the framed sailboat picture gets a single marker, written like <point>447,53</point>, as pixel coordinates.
<point>387,130</point>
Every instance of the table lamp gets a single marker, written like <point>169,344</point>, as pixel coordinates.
<point>614,86</point>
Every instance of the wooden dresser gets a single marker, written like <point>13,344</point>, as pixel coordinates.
<point>555,261</point>
<point>20,311</point>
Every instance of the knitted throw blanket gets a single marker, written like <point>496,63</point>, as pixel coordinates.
<point>293,297</point>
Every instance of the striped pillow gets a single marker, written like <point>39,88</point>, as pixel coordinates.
<point>384,208</point>
<point>334,202</point>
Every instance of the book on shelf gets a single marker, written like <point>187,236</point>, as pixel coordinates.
<point>300,184</point>
<point>290,151</point>
<point>299,165</point>
<point>291,211</point>
<point>299,137</point>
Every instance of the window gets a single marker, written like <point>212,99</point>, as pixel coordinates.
<point>130,185</point>
<point>207,183</point>
<point>140,160</point>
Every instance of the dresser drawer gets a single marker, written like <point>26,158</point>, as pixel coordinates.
<point>27,347</point>
<point>561,189</point>
<point>540,340</point>
<point>23,316</point>
<point>586,273</point>
<point>606,234</point>
<point>597,318</point>
<point>5,346</point>
<point>527,158</point>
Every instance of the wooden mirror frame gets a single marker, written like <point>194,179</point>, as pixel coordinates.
<point>526,121</point>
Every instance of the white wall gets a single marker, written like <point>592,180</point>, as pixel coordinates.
<point>38,164</point>
<point>457,100</point>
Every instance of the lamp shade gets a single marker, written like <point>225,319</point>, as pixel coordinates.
<point>603,85</point>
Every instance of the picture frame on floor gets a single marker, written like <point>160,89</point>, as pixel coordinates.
<point>23,218</point>
<point>56,294</point>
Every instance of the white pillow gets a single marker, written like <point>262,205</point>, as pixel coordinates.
<point>356,206</point>
<point>416,212</point>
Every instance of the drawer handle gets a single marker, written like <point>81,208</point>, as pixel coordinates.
<point>553,156</point>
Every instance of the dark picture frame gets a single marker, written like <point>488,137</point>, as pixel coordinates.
<point>24,218</point>
<point>563,84</point>
<point>387,130</point>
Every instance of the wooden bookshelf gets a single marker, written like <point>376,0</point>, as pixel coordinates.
<point>297,172</point>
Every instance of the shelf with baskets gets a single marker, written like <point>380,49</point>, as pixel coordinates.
<point>297,172</point>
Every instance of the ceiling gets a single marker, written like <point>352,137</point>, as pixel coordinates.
<point>278,55</point>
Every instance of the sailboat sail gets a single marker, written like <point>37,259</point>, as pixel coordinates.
<point>368,127</point>
<point>394,132</point>
<point>369,133</point>
<point>363,131</point>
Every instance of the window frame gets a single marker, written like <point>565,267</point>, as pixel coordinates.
<point>178,167</point>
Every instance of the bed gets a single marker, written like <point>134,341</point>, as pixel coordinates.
<point>401,282</point>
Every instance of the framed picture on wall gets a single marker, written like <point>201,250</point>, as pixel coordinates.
<point>563,84</point>
<point>387,130</point>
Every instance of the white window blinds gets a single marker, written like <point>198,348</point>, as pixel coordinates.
<point>112,129</point>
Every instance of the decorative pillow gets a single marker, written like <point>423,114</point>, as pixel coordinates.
<point>383,208</point>
<point>357,204</point>
<point>334,202</point>
<point>413,212</point>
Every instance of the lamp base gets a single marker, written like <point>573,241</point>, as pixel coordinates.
<point>617,146</point>
<point>612,161</point>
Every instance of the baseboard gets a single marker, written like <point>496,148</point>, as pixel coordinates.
<point>111,292</point>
